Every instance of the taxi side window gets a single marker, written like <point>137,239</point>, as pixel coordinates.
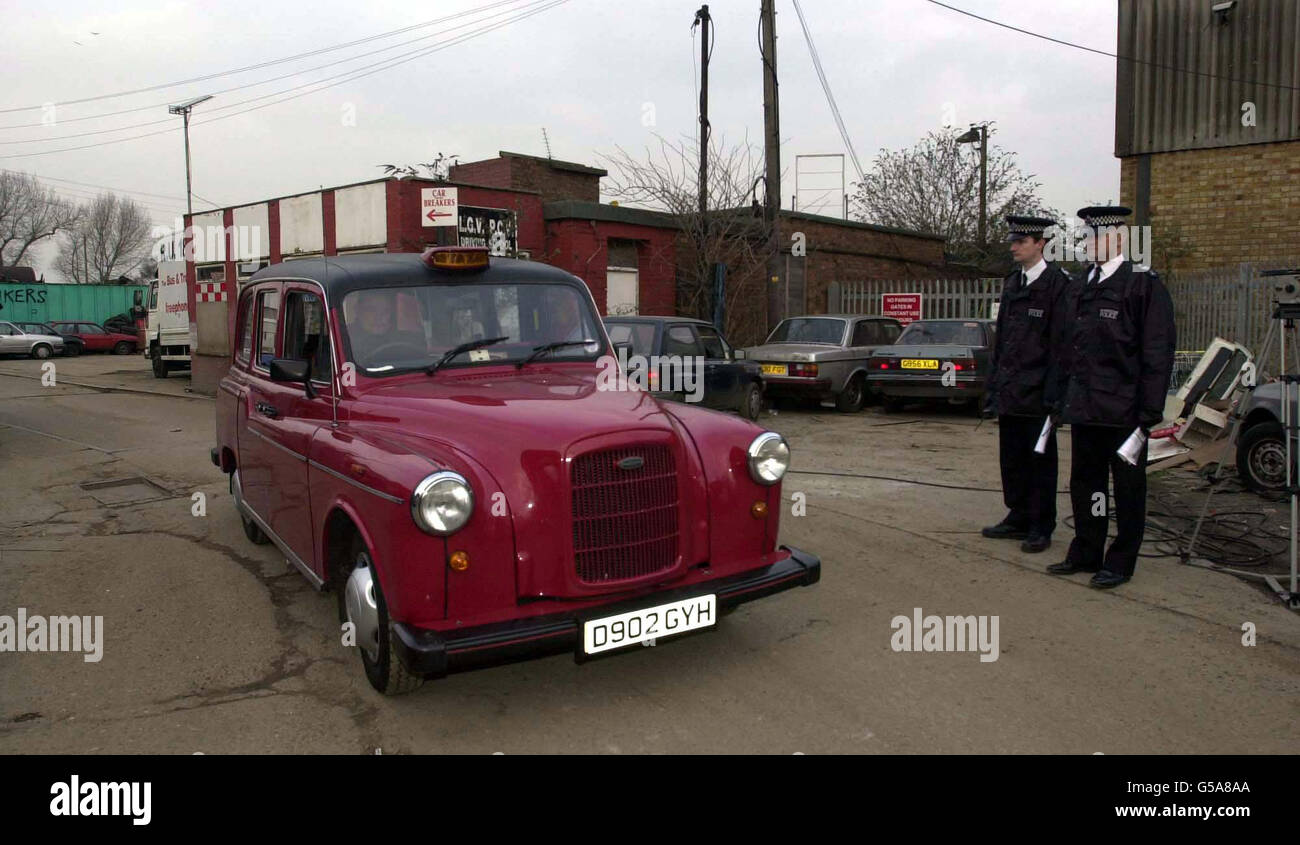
<point>268,311</point>
<point>305,337</point>
<point>245,347</point>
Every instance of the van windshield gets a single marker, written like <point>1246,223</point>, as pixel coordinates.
<point>398,329</point>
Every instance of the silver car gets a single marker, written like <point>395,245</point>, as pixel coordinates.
<point>15,341</point>
<point>818,357</point>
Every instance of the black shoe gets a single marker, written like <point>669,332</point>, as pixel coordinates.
<point>1105,579</point>
<point>1005,531</point>
<point>1068,567</point>
<point>1036,543</point>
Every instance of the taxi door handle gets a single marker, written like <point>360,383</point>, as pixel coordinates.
<point>267,410</point>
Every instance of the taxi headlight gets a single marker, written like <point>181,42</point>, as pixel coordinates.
<point>769,458</point>
<point>442,503</point>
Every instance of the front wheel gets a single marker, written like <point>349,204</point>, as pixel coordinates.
<point>361,603</point>
<point>71,350</point>
<point>159,365</point>
<point>850,399</point>
<point>252,530</point>
<point>1261,457</point>
<point>41,351</point>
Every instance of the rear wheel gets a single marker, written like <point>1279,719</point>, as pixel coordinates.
<point>42,351</point>
<point>252,530</point>
<point>850,399</point>
<point>361,602</point>
<point>122,348</point>
<point>752,404</point>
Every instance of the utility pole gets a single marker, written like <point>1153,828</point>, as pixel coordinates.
<point>980,133</point>
<point>184,109</point>
<point>772,158</point>
<point>705,22</point>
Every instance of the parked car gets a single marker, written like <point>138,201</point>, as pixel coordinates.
<point>822,357</point>
<point>427,436</point>
<point>935,359</point>
<point>96,338</point>
<point>17,341</point>
<point>72,345</point>
<point>729,383</point>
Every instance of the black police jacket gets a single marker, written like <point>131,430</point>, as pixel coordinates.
<point>1119,356</point>
<point>1030,330</point>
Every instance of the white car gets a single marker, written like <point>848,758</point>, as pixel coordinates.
<point>15,341</point>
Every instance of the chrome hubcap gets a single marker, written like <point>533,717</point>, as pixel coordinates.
<point>362,608</point>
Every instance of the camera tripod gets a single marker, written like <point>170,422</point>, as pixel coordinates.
<point>1286,314</point>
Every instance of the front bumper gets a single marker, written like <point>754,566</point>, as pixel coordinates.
<point>435,654</point>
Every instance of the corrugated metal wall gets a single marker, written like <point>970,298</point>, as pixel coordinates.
<point>42,302</point>
<point>1183,77</point>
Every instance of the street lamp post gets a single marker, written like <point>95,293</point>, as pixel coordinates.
<point>979,134</point>
<point>183,109</point>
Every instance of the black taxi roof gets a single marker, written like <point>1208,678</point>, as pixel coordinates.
<point>342,274</point>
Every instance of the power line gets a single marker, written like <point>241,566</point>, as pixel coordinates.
<point>228,106</point>
<point>1157,65</point>
<point>259,65</point>
<point>826,88</point>
<point>93,185</point>
<point>348,76</point>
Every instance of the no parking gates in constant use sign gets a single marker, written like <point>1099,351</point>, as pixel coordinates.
<point>903,307</point>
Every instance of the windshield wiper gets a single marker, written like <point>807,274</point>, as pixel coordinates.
<point>539,351</point>
<point>461,350</point>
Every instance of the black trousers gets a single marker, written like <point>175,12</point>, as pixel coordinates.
<point>1093,462</point>
<point>1028,478</point>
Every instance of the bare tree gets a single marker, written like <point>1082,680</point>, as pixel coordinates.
<point>666,178</point>
<point>29,213</point>
<point>109,241</point>
<point>935,187</point>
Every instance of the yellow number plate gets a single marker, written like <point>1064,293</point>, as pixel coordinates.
<point>774,369</point>
<point>920,364</point>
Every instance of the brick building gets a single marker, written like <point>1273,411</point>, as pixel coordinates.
<point>1207,129</point>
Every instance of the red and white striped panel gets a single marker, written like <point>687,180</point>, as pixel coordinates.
<point>211,292</point>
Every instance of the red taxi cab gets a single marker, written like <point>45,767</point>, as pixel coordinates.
<point>438,440</point>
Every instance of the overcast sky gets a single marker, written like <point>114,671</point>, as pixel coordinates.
<point>589,71</point>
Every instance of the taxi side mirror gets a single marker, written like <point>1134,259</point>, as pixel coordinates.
<point>293,371</point>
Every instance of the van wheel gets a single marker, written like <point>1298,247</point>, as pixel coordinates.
<point>850,399</point>
<point>361,602</point>
<point>41,351</point>
<point>159,365</point>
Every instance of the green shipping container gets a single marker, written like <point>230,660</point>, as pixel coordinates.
<point>92,303</point>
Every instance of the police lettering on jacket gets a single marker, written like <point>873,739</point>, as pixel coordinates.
<point>1030,329</point>
<point>1120,351</point>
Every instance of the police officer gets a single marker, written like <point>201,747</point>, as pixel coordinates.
<point>1023,383</point>
<point>1119,360</point>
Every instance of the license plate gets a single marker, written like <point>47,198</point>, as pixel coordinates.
<point>920,364</point>
<point>774,369</point>
<point>648,624</point>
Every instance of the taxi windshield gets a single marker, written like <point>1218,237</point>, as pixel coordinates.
<point>398,329</point>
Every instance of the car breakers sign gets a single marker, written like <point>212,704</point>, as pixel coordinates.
<point>903,307</point>
<point>438,207</point>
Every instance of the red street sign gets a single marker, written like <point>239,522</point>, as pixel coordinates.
<point>903,307</point>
